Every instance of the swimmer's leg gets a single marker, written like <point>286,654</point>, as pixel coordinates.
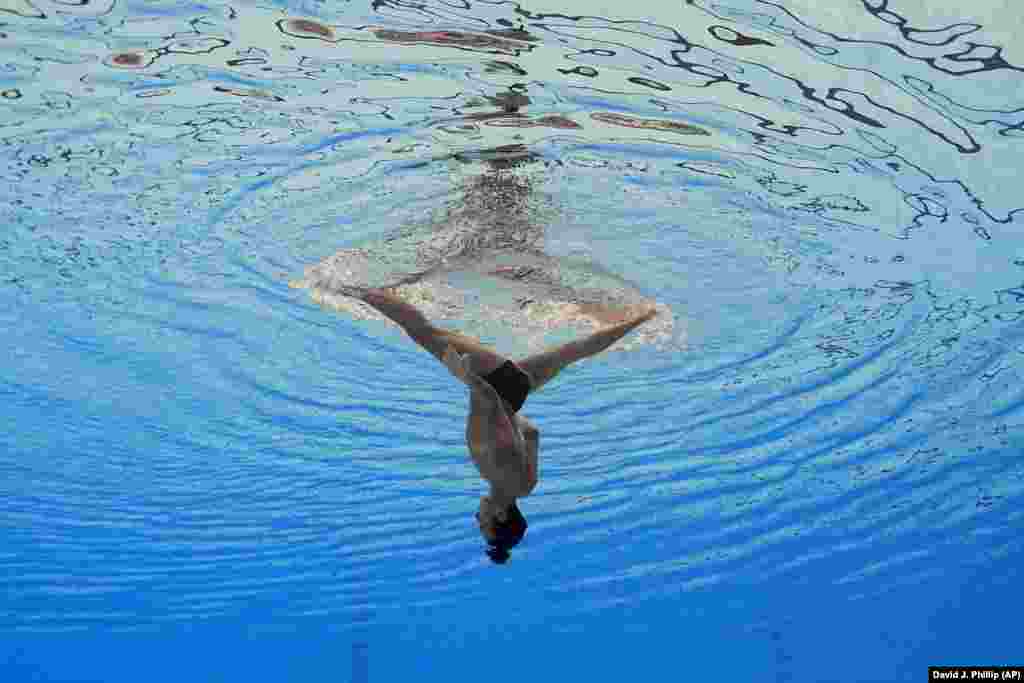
<point>436,340</point>
<point>543,367</point>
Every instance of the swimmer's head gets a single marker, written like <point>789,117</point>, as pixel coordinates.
<point>502,529</point>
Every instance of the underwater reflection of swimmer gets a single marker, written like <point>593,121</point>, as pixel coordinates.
<point>485,262</point>
<point>503,444</point>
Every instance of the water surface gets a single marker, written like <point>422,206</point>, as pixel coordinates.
<point>818,475</point>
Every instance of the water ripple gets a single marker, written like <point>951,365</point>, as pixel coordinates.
<point>810,196</point>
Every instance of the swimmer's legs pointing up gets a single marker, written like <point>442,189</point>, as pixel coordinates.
<point>436,340</point>
<point>542,367</point>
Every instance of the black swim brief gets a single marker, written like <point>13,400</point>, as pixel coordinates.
<point>511,383</point>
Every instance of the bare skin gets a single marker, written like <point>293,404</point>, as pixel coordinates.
<point>504,445</point>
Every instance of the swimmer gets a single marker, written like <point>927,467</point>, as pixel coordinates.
<point>502,443</point>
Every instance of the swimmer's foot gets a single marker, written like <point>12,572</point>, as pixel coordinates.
<point>605,316</point>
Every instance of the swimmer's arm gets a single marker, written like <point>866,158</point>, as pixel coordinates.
<point>530,465</point>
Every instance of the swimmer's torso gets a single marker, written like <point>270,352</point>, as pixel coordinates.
<point>515,474</point>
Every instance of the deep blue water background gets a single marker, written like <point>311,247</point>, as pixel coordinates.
<point>206,476</point>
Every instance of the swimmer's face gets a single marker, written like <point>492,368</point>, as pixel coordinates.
<point>502,525</point>
<point>488,517</point>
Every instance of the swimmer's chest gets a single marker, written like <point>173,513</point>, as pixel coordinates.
<point>517,474</point>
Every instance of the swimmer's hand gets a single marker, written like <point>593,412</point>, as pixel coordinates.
<point>457,364</point>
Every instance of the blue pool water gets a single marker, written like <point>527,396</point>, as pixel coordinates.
<point>816,474</point>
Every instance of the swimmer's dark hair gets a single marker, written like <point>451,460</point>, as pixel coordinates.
<point>507,535</point>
